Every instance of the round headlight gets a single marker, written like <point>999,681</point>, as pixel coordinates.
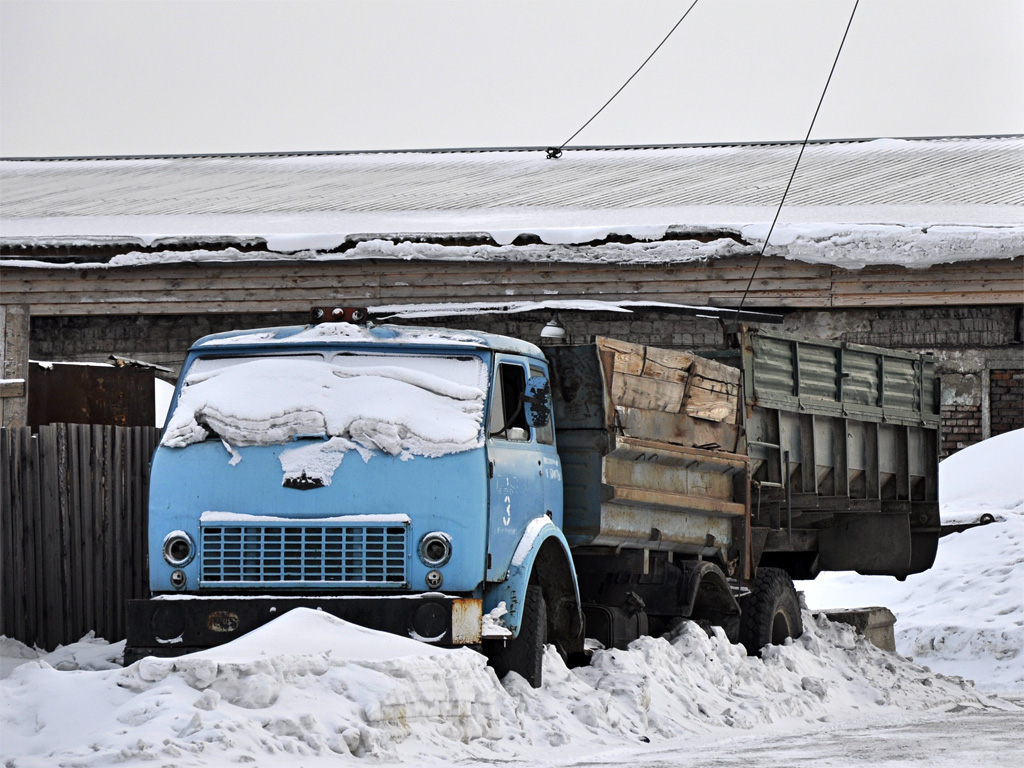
<point>178,548</point>
<point>435,549</point>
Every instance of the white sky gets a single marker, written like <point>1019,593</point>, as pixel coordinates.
<point>132,77</point>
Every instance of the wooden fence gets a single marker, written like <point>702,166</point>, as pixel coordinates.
<point>73,504</point>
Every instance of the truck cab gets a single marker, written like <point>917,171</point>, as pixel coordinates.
<point>406,479</point>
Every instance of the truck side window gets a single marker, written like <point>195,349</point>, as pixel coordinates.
<point>508,416</point>
<point>545,434</point>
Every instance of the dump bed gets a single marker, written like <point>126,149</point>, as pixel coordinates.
<point>812,455</point>
<point>843,441</point>
<point>652,450</point>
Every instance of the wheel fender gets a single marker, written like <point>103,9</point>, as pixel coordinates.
<point>539,532</point>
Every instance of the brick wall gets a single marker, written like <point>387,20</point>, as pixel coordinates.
<point>660,329</point>
<point>1006,398</point>
<point>913,327</point>
<point>961,427</point>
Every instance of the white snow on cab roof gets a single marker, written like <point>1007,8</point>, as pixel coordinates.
<point>369,336</point>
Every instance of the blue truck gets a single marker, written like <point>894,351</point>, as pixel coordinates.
<point>469,489</point>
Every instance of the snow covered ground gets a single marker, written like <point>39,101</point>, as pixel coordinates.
<point>965,615</point>
<point>308,688</point>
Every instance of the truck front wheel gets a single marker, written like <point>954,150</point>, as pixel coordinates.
<point>771,612</point>
<point>524,654</point>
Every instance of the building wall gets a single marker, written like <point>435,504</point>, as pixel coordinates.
<point>978,350</point>
<point>1006,395</point>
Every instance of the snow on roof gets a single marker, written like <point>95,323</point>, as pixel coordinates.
<point>318,202</point>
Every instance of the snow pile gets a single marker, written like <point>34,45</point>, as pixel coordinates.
<point>90,653</point>
<point>397,410</point>
<point>966,614</point>
<point>310,686</point>
<point>307,684</point>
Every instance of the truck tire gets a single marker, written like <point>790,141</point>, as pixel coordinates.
<point>524,654</point>
<point>771,612</point>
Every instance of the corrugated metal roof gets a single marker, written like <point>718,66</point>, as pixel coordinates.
<point>942,175</point>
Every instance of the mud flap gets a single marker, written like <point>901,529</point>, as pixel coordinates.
<point>876,544</point>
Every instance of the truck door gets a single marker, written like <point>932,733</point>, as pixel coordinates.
<point>544,437</point>
<point>516,466</point>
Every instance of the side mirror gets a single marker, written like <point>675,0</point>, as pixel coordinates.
<point>537,401</point>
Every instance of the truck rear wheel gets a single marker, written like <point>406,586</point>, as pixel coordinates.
<point>771,612</point>
<point>524,654</point>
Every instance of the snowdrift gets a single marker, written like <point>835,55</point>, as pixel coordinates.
<point>309,686</point>
<point>965,615</point>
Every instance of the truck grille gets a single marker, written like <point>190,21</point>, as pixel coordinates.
<point>298,555</point>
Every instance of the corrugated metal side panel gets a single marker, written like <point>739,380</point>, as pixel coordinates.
<point>838,379</point>
<point>774,372</point>
<point>900,385</point>
<point>860,378</point>
<point>930,390</point>
<point>817,371</point>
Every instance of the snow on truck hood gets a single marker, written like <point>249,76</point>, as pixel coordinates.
<point>401,405</point>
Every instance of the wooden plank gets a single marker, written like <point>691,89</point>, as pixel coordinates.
<point>140,503</point>
<point>316,275</point>
<point>104,535</point>
<point>202,291</point>
<point>306,276</point>
<point>34,593</point>
<point>299,271</point>
<point>61,309</point>
<point>626,356</point>
<point>133,518</point>
<point>23,532</point>
<point>652,394</point>
<point>709,405</point>
<point>14,343</point>
<point>134,514</point>
<point>943,286</point>
<point>712,370</point>
<point>677,501</point>
<point>679,429</point>
<point>962,270</point>
<point>714,391</point>
<point>668,364</point>
<point>13,388</point>
<point>928,300</point>
<point>214,302</point>
<point>69,513</point>
<point>11,577</point>
<point>118,519</point>
<point>51,604</point>
<point>87,501</point>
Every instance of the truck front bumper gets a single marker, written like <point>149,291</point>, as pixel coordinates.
<point>172,625</point>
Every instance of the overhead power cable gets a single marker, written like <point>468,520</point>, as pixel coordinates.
<point>556,152</point>
<point>803,146</point>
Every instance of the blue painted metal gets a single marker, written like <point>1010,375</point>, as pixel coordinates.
<point>499,503</point>
<point>512,590</point>
<point>185,482</point>
<point>525,483</point>
<point>328,554</point>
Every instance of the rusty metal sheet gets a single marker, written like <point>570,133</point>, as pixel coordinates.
<point>635,525</point>
<point>90,394</point>
<point>467,620</point>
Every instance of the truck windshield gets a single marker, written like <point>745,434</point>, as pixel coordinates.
<point>426,405</point>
